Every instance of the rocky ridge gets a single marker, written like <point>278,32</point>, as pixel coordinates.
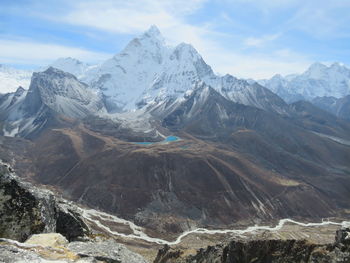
<point>26,210</point>
<point>51,93</point>
<point>265,251</point>
<point>339,107</point>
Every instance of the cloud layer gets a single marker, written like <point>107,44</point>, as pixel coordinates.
<point>36,53</point>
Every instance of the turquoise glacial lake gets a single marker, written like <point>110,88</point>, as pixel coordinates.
<point>166,140</point>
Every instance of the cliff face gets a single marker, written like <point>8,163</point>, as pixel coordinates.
<point>266,251</point>
<point>26,210</point>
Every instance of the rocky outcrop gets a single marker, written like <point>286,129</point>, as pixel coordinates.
<point>53,247</point>
<point>25,210</point>
<point>70,224</point>
<point>108,251</point>
<point>48,240</point>
<point>266,251</point>
<point>168,255</point>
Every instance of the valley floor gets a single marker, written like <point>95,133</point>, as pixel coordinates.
<point>141,241</point>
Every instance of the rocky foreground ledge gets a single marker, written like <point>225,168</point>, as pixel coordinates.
<point>53,247</point>
<point>266,251</point>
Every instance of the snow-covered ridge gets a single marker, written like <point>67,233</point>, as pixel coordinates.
<point>71,65</point>
<point>63,93</point>
<point>50,91</point>
<point>12,78</point>
<point>318,80</point>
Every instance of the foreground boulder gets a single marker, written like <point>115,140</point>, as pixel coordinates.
<point>266,251</point>
<point>26,210</point>
<point>48,240</point>
<point>107,250</point>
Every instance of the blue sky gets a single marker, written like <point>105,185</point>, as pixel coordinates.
<point>247,38</point>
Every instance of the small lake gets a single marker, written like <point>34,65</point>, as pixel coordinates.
<point>166,140</point>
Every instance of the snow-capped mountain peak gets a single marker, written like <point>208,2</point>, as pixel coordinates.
<point>70,65</point>
<point>316,71</point>
<point>11,78</point>
<point>68,60</point>
<point>51,92</point>
<point>154,33</point>
<point>317,81</point>
<point>277,77</point>
<point>148,70</point>
<point>151,42</point>
<point>185,51</point>
<point>340,69</point>
<point>63,93</point>
<point>125,76</point>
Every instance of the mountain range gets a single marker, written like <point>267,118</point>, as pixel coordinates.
<point>148,70</point>
<point>154,135</point>
<point>327,87</point>
<point>318,80</point>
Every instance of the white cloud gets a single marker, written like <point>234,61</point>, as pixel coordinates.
<point>126,16</point>
<point>322,19</point>
<point>278,4</point>
<point>256,65</point>
<point>260,41</point>
<point>35,53</point>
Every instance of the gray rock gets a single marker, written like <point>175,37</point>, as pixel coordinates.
<point>108,251</point>
<point>54,248</point>
<point>265,251</point>
<point>12,252</point>
<point>26,210</point>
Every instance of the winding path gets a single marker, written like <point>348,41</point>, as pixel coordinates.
<point>139,234</point>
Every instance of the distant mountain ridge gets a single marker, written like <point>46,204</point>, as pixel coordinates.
<point>11,78</point>
<point>318,80</point>
<point>150,76</point>
<point>149,71</point>
<point>71,65</point>
<point>340,107</point>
